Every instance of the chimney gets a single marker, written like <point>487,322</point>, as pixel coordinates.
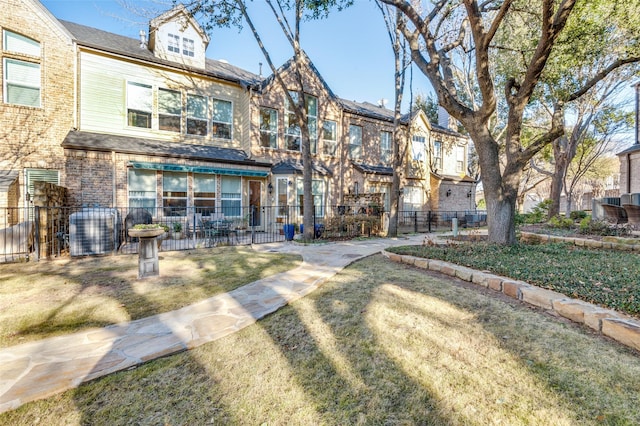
<point>143,39</point>
<point>443,117</point>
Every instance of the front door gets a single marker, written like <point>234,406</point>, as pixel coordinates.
<point>255,195</point>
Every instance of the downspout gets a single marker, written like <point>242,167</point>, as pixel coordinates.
<point>113,179</point>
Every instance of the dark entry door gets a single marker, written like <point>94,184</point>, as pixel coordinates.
<point>255,194</point>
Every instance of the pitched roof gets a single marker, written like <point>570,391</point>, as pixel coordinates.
<point>633,148</point>
<point>296,167</point>
<point>369,168</point>
<point>130,47</point>
<point>130,145</point>
<point>7,177</point>
<point>267,81</point>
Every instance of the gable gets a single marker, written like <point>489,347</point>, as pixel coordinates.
<point>175,36</point>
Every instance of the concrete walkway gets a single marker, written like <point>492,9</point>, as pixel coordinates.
<point>43,368</point>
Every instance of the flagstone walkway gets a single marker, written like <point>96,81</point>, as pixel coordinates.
<point>43,368</point>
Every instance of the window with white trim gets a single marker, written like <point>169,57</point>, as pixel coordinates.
<point>21,82</point>
<point>355,141</point>
<point>173,43</point>
<point>292,131</point>
<point>188,47</point>
<point>204,193</point>
<point>221,122</point>
<point>169,110</point>
<point>268,128</point>
<point>385,148</point>
<point>139,105</point>
<point>418,148</point>
<point>17,43</point>
<point>460,159</point>
<point>330,137</point>
<point>197,115</point>
<point>142,189</point>
<point>437,155</point>
<point>174,193</point>
<point>413,198</point>
<point>231,196</point>
<point>21,79</point>
<point>318,194</point>
<point>282,196</point>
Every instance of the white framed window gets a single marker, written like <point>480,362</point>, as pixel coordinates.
<point>318,193</point>
<point>17,43</point>
<point>174,193</point>
<point>197,115</point>
<point>282,196</point>
<point>355,141</point>
<point>418,148</point>
<point>268,128</point>
<point>21,82</point>
<point>222,119</point>
<point>204,193</point>
<point>188,47</point>
<point>231,196</point>
<point>330,137</point>
<point>292,132</point>
<point>385,148</point>
<point>139,105</point>
<point>173,43</point>
<point>169,110</point>
<point>142,189</point>
<point>413,198</point>
<point>437,155</point>
<point>459,158</point>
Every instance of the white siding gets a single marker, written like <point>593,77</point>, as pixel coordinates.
<point>103,85</point>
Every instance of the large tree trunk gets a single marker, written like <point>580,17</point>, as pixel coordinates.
<point>560,155</point>
<point>501,219</point>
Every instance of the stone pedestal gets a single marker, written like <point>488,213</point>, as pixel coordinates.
<point>148,264</point>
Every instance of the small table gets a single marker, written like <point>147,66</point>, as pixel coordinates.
<point>218,230</point>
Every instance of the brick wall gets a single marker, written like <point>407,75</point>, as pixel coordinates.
<point>30,137</point>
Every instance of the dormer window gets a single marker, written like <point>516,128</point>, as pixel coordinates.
<point>188,48</point>
<point>173,43</point>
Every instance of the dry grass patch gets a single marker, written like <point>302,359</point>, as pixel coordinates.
<point>44,299</point>
<point>380,343</point>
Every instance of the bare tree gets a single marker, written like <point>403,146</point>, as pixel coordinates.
<point>393,22</point>
<point>446,30</point>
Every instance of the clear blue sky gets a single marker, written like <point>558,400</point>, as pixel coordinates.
<point>351,48</point>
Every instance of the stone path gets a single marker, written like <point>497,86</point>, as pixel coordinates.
<point>43,368</point>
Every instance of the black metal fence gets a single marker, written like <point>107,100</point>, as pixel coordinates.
<point>50,232</point>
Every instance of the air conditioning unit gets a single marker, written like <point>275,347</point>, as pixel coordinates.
<point>94,231</point>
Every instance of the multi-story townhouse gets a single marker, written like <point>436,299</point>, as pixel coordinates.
<point>630,157</point>
<point>153,123</point>
<point>36,101</point>
<point>160,125</point>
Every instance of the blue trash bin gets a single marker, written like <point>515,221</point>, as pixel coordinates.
<point>301,228</point>
<point>289,230</point>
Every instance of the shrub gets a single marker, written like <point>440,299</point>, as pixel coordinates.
<point>560,222</point>
<point>601,227</point>
<point>578,214</point>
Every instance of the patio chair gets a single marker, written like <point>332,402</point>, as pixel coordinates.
<point>194,225</point>
<point>633,214</point>
<point>614,214</point>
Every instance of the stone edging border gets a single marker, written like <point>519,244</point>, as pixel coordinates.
<point>619,327</point>
<point>581,242</point>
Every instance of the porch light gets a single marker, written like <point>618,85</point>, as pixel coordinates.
<point>469,194</point>
<point>270,188</point>
<point>448,192</point>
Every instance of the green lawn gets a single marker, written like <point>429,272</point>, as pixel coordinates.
<point>43,299</point>
<point>380,343</point>
<point>608,278</point>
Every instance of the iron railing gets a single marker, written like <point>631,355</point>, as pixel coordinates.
<point>50,232</point>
